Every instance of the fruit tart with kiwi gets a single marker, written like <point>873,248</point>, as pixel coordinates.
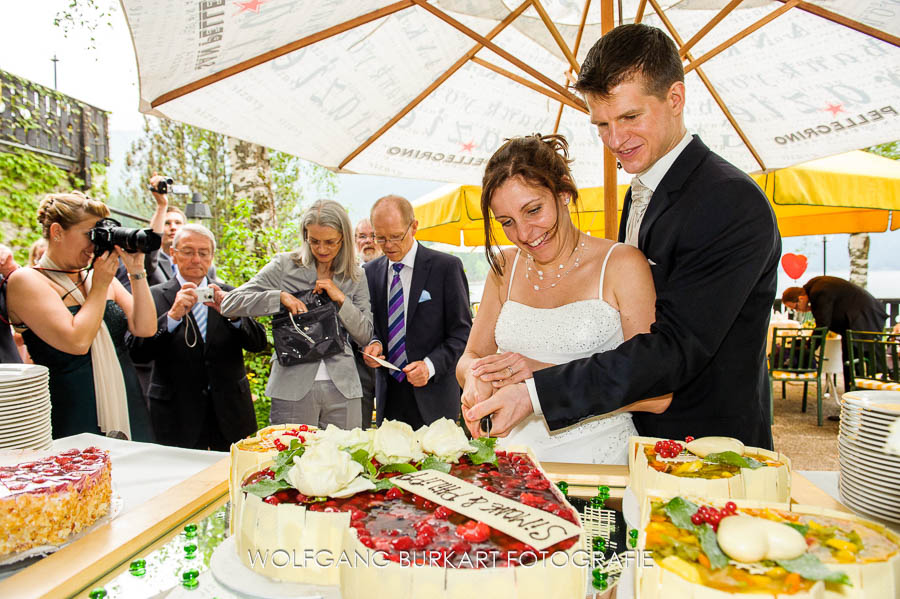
<point>706,551</point>
<point>748,547</point>
<point>709,467</point>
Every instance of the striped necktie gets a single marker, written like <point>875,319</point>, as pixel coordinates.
<point>200,314</point>
<point>396,325</point>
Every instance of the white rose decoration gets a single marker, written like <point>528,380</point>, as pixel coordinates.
<point>351,440</point>
<point>326,470</point>
<point>444,439</point>
<point>395,443</point>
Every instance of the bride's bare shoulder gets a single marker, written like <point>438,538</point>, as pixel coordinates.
<point>627,258</point>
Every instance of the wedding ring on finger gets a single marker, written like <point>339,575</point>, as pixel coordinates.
<point>510,371</point>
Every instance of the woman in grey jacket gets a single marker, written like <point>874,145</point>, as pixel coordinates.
<point>328,391</point>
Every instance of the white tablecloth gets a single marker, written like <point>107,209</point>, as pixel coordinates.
<point>141,471</point>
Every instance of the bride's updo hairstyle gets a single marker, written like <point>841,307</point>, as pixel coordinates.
<point>68,209</point>
<point>542,161</point>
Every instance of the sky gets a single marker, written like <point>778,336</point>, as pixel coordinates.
<point>106,77</point>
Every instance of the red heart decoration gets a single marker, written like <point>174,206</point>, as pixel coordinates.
<point>794,265</point>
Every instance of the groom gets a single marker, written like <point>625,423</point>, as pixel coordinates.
<point>713,246</point>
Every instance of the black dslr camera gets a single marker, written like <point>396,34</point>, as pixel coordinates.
<point>109,232</point>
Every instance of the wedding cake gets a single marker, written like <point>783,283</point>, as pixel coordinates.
<point>424,513</point>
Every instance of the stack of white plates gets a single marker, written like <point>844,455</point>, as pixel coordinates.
<point>24,407</point>
<point>870,477</point>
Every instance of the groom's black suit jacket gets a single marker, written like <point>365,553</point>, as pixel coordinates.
<point>713,245</point>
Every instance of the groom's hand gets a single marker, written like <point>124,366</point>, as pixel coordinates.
<point>509,406</point>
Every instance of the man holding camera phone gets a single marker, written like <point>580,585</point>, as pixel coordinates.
<point>199,393</point>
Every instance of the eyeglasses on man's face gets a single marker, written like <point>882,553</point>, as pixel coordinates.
<point>380,240</point>
<point>364,236</point>
<point>190,253</point>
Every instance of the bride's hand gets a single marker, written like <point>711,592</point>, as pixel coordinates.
<point>503,369</point>
<point>475,391</point>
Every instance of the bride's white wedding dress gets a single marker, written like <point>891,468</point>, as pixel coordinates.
<point>556,336</point>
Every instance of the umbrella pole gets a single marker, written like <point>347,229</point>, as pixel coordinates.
<point>610,177</point>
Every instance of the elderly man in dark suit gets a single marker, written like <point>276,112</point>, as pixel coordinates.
<point>711,239</point>
<point>199,393</point>
<point>420,305</point>
<point>839,305</point>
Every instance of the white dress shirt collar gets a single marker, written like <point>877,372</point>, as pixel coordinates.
<point>182,281</point>
<point>408,261</point>
<point>653,175</point>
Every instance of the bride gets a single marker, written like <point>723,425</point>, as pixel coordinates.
<point>558,296</point>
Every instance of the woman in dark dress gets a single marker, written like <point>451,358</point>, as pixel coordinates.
<point>74,321</point>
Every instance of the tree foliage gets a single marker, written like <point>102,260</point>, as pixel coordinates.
<point>888,150</point>
<point>25,178</point>
<point>87,15</point>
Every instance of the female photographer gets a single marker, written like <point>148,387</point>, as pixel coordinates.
<point>326,391</point>
<point>73,315</point>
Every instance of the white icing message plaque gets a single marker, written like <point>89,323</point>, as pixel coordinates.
<point>524,523</point>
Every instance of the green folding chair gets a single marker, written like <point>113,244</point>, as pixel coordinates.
<point>796,355</point>
<point>874,360</point>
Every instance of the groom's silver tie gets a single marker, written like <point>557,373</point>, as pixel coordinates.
<point>640,199</point>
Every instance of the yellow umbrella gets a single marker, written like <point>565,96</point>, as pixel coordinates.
<point>452,215</point>
<point>849,193</point>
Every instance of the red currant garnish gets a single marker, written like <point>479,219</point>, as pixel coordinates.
<point>667,448</point>
<point>688,439</point>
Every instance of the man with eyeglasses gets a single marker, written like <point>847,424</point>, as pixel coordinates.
<point>366,251</point>
<point>366,248</point>
<point>199,393</point>
<point>420,304</point>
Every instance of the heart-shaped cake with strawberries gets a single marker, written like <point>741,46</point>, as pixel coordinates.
<point>427,513</point>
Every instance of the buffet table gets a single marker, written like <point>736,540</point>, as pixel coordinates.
<point>166,490</point>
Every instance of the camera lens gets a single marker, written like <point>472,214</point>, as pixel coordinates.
<point>108,233</point>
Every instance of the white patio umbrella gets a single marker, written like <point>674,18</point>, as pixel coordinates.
<point>429,89</point>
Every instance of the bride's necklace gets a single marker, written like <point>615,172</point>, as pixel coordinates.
<point>553,275</point>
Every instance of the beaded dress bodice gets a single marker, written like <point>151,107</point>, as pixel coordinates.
<point>556,336</point>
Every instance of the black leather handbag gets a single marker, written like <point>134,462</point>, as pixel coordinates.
<point>309,336</point>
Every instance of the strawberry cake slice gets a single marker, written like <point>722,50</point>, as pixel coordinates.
<point>45,501</point>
